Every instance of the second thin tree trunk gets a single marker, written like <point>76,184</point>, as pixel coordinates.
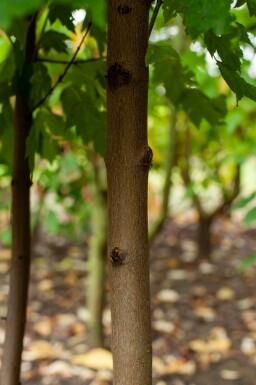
<point>20,264</point>
<point>128,161</point>
<point>97,254</point>
<point>204,236</point>
<point>169,164</point>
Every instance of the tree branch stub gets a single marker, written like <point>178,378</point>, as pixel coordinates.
<point>118,256</point>
<point>118,76</point>
<point>146,160</point>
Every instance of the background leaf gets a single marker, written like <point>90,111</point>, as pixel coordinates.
<point>247,262</point>
<point>200,15</point>
<point>250,216</point>
<point>157,53</point>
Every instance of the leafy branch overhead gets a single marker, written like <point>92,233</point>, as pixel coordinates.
<point>60,41</point>
<point>228,48</point>
<point>251,5</point>
<point>60,9</point>
<point>61,77</point>
<point>200,15</point>
<point>63,46</point>
<point>181,87</point>
<point>217,24</point>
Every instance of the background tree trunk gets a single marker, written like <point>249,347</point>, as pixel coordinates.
<point>97,253</point>
<point>206,220</point>
<point>169,164</point>
<point>204,235</point>
<point>20,263</point>
<point>128,161</point>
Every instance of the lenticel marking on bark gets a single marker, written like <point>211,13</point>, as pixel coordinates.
<point>123,9</point>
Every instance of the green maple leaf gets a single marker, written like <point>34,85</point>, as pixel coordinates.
<point>200,15</point>
<point>237,84</point>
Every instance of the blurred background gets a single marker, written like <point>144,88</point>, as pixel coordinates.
<point>201,208</point>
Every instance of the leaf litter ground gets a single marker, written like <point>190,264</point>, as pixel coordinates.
<point>203,311</point>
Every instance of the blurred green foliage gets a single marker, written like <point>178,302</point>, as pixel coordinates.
<point>200,54</point>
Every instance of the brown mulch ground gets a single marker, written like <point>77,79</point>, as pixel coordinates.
<point>203,312</point>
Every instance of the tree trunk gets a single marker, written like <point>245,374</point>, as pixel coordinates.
<point>97,255</point>
<point>20,263</point>
<point>128,161</point>
<point>169,163</point>
<point>204,236</point>
<point>206,219</point>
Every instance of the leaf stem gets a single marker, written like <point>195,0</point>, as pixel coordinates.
<point>153,18</point>
<point>60,78</point>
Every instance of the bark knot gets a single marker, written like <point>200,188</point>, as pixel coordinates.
<point>146,160</point>
<point>123,9</point>
<point>118,76</point>
<point>118,256</point>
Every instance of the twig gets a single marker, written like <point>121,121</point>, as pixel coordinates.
<point>153,18</point>
<point>60,78</point>
<point>80,61</point>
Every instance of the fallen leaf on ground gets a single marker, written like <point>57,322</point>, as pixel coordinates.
<point>164,383</point>
<point>207,268</point>
<point>75,251</point>
<point>58,367</point>
<point>177,275</point>
<point>207,313</point>
<point>3,297</point>
<point>164,326</point>
<point>168,295</point>
<point>45,284</point>
<point>222,345</point>
<point>188,257</point>
<point>189,245</point>
<point>173,263</point>
<point>225,294</point>
<point>94,359</point>
<point>199,291</point>
<point>4,267</point>
<point>43,326</point>
<point>245,303</point>
<point>218,341</point>
<point>65,320</point>
<point>77,328</point>
<point>71,278</point>
<point>171,240</point>
<point>249,317</point>
<point>248,346</point>
<point>5,254</point>
<point>158,365</point>
<point>230,375</point>
<point>38,350</point>
<point>181,366</point>
<point>198,346</point>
